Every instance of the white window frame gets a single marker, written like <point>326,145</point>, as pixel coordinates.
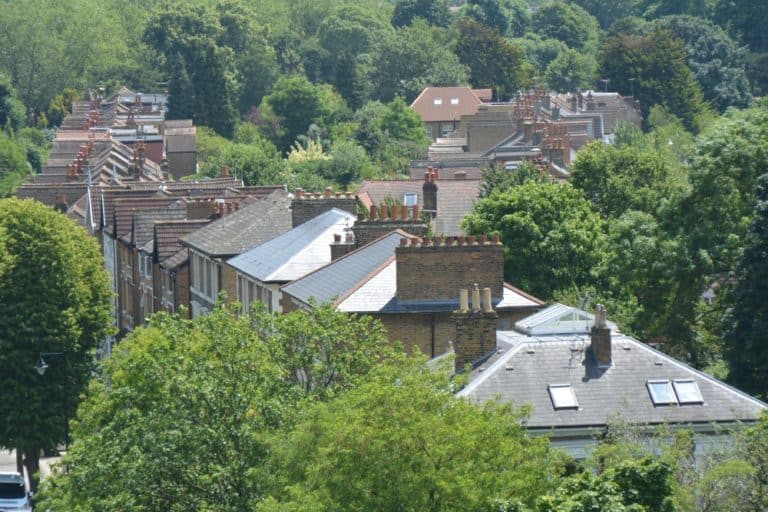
<point>654,388</point>
<point>687,391</point>
<point>563,396</point>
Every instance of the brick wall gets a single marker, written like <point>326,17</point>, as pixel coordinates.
<point>306,206</point>
<point>228,283</point>
<point>414,330</point>
<point>437,268</point>
<point>385,219</point>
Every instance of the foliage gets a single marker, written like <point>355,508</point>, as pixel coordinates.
<point>184,420</point>
<point>434,12</point>
<point>540,52</point>
<point>494,62</point>
<point>508,17</point>
<point>410,59</point>
<point>400,122</point>
<point>402,441</point>
<point>718,64</point>
<point>54,296</point>
<point>13,165</point>
<point>746,20</point>
<point>568,23</point>
<point>607,13</point>
<point>496,177</point>
<point>61,105</point>
<point>552,238</point>
<point>571,70</point>
<point>655,63</point>
<point>746,322</point>
<point>12,114</point>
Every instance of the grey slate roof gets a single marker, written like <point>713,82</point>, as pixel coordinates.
<point>144,221</point>
<point>455,199</point>
<point>294,253</point>
<point>341,277</point>
<point>168,236</point>
<point>526,365</point>
<point>244,229</point>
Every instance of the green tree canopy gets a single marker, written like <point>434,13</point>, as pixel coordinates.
<point>434,12</point>
<point>568,23</point>
<point>494,62</point>
<point>571,70</point>
<point>54,297</point>
<point>552,238</point>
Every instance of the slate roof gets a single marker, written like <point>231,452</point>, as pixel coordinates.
<point>295,253</point>
<point>125,208</point>
<point>445,103</point>
<point>144,222</point>
<point>335,281</point>
<point>244,229</point>
<point>455,198</point>
<point>168,236</point>
<point>525,366</point>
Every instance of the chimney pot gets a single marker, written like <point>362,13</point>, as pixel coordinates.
<point>383,212</point>
<point>395,211</point>
<point>483,239</point>
<point>403,242</point>
<point>298,193</point>
<point>337,238</point>
<point>476,298</point>
<point>373,212</point>
<point>496,239</point>
<point>463,300</point>
<point>415,212</point>
<point>360,217</point>
<point>328,192</point>
<point>487,302</point>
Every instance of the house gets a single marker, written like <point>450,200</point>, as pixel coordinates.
<point>441,108</point>
<point>408,283</point>
<point>446,202</point>
<point>580,374</point>
<point>237,231</point>
<point>264,269</point>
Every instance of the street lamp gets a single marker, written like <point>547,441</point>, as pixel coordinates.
<point>40,367</point>
<point>605,83</point>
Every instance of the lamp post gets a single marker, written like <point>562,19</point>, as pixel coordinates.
<point>41,366</point>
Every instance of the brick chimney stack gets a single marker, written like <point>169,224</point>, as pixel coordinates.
<point>601,339</point>
<point>429,192</point>
<point>475,335</point>
<point>307,205</point>
<point>380,223</point>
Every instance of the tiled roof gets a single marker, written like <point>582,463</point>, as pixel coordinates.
<point>445,103</point>
<point>144,221</point>
<point>125,208</point>
<point>455,199</point>
<point>343,276</point>
<point>527,365</point>
<point>168,235</point>
<point>244,229</point>
<point>294,253</point>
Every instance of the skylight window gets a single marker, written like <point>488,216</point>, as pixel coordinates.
<point>661,392</point>
<point>410,199</point>
<point>562,396</point>
<point>438,101</point>
<point>454,101</point>
<point>687,391</point>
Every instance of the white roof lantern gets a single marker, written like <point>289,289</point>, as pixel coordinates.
<point>559,319</point>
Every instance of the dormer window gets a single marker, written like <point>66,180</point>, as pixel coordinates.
<point>438,101</point>
<point>563,396</point>
<point>454,101</point>
<point>661,392</point>
<point>687,391</point>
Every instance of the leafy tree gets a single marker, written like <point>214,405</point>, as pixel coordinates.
<point>540,52</point>
<point>12,113</point>
<point>718,64</point>
<point>61,105</point>
<point>607,13</point>
<point>184,420</point>
<point>410,59</point>
<point>434,12</point>
<point>571,70</point>
<point>496,177</point>
<point>13,165</point>
<point>507,16</point>
<point>401,122</point>
<point>552,238</point>
<point>656,65</point>
<point>746,322</point>
<point>625,178</point>
<point>181,91</point>
<point>568,23</point>
<point>402,441</point>
<point>493,61</point>
<point>54,297</point>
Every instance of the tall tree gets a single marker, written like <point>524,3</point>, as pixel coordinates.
<point>494,62</point>
<point>54,298</point>
<point>553,240</point>
<point>746,322</point>
<point>653,68</point>
<point>434,12</point>
<point>568,23</point>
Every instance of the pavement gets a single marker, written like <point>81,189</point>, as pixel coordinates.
<point>8,463</point>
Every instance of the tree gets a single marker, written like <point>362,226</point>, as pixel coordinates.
<point>607,13</point>
<point>401,122</point>
<point>12,113</point>
<point>410,59</point>
<point>61,105</point>
<point>496,177</point>
<point>506,16</point>
<point>493,61</point>
<point>617,179</point>
<point>568,23</point>
<point>553,240</point>
<point>746,20</point>
<point>746,322</point>
<point>434,12</point>
<point>718,64</point>
<point>571,70</point>
<point>13,165</point>
<point>655,64</point>
<point>183,416</point>
<point>54,297</point>
<point>402,441</point>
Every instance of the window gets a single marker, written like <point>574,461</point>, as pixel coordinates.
<point>687,391</point>
<point>661,392</point>
<point>438,101</point>
<point>429,131</point>
<point>454,101</point>
<point>145,265</point>
<point>410,199</point>
<point>446,128</point>
<point>562,396</point>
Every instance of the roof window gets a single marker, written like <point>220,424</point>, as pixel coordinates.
<point>687,391</point>
<point>454,101</point>
<point>438,101</point>
<point>661,392</point>
<point>562,396</point>
<point>410,199</point>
